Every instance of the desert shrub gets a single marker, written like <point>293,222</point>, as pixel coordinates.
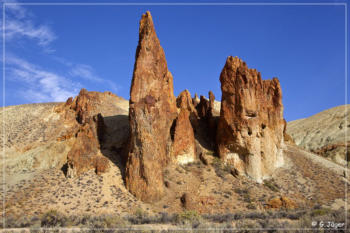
<point>248,224</point>
<point>320,212</point>
<point>251,206</point>
<point>256,215</point>
<point>107,221</point>
<point>220,217</point>
<point>220,168</point>
<point>52,218</point>
<point>141,217</point>
<point>210,152</point>
<point>271,185</point>
<point>188,216</point>
<point>166,218</point>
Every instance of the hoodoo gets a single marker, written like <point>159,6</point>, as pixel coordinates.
<point>152,111</point>
<point>184,141</point>
<point>250,129</point>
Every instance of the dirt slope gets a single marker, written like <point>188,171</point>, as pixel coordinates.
<point>323,133</point>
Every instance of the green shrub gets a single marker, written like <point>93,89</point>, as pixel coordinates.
<point>188,216</point>
<point>320,212</point>
<point>52,218</point>
<point>271,185</point>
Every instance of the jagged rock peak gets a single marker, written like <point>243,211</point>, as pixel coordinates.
<point>87,131</point>
<point>184,101</point>
<point>184,142</point>
<point>152,110</point>
<point>250,128</point>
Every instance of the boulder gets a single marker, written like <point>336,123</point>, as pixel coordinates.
<point>152,112</point>
<point>281,203</point>
<point>250,128</point>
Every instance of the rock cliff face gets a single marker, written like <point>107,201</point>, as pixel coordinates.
<point>151,114</point>
<point>250,128</point>
<point>184,141</point>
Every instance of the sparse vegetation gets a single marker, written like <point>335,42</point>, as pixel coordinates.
<point>297,219</point>
<point>271,185</point>
<point>188,216</point>
<point>221,169</point>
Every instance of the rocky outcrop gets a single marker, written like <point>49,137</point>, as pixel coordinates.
<point>151,114</point>
<point>195,100</point>
<point>337,152</point>
<point>89,130</point>
<point>250,128</point>
<point>184,147</point>
<point>287,138</point>
<point>185,102</point>
<point>281,203</point>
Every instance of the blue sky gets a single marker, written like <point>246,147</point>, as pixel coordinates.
<point>53,51</point>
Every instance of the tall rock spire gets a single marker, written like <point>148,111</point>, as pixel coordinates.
<point>151,114</point>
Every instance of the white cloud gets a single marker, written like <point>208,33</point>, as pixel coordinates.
<point>85,72</point>
<point>40,85</point>
<point>16,29</point>
<point>19,24</point>
<point>88,73</point>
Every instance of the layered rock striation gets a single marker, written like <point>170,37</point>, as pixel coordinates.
<point>152,111</point>
<point>250,128</point>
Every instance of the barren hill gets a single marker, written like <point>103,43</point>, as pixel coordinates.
<point>323,133</point>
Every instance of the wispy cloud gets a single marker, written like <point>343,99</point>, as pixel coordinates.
<point>19,25</point>
<point>40,85</point>
<point>87,72</point>
<point>16,29</point>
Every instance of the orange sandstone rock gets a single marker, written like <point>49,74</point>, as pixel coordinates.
<point>184,147</point>
<point>250,128</point>
<point>151,114</point>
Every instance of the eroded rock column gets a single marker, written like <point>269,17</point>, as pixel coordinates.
<point>250,128</point>
<point>151,114</point>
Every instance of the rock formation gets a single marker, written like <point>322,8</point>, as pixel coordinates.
<point>151,114</point>
<point>205,109</point>
<point>184,101</point>
<point>281,203</point>
<point>88,130</point>
<point>250,128</point>
<point>184,141</point>
<point>195,100</point>
<point>286,137</point>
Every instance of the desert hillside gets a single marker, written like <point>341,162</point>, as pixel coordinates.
<point>165,162</point>
<point>36,183</point>
<point>324,133</point>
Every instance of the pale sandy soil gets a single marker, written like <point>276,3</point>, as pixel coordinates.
<point>325,128</point>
